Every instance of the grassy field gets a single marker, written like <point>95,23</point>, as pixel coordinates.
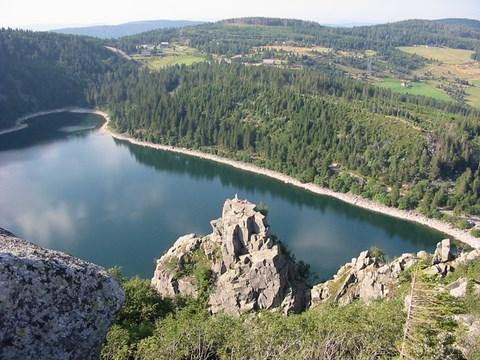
<point>474,94</point>
<point>444,55</point>
<point>453,67</point>
<point>416,88</point>
<point>297,49</point>
<point>177,55</point>
<point>159,62</point>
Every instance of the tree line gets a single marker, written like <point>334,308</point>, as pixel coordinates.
<point>400,150</point>
<point>40,70</point>
<point>241,36</point>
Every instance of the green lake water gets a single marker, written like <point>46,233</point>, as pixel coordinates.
<point>66,186</point>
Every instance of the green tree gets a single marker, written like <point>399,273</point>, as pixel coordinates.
<point>136,319</point>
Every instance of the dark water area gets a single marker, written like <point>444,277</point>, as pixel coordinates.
<point>66,186</point>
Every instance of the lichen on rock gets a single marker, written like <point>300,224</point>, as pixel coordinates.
<point>52,305</point>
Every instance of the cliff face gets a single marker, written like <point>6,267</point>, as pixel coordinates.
<point>245,267</point>
<point>52,305</point>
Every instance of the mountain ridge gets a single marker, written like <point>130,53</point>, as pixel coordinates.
<point>124,29</point>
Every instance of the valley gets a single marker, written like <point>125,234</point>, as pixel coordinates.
<point>383,117</point>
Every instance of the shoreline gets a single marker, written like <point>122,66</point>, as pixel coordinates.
<point>355,200</point>
<point>19,123</point>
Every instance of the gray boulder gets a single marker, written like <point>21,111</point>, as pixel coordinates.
<point>465,257</point>
<point>458,288</point>
<point>443,252</point>
<point>440,269</point>
<point>52,305</point>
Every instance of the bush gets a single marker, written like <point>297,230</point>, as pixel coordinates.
<point>378,253</point>
<point>354,331</point>
<point>462,224</point>
<point>475,232</point>
<point>136,319</point>
<point>263,208</point>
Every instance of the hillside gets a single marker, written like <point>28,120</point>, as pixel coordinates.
<point>370,53</point>
<point>237,35</point>
<point>42,71</point>
<point>469,23</point>
<point>301,99</point>
<point>131,28</point>
<point>404,151</point>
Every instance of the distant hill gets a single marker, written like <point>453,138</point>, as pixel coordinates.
<point>241,35</point>
<point>469,23</point>
<point>42,70</point>
<point>131,28</point>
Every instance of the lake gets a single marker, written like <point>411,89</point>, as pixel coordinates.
<point>66,186</point>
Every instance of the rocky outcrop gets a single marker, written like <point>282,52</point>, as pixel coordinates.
<point>365,278</point>
<point>444,261</point>
<point>443,252</point>
<point>52,305</point>
<point>239,264</point>
<point>465,257</point>
<point>243,268</point>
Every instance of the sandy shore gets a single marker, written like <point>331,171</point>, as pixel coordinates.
<point>461,235</point>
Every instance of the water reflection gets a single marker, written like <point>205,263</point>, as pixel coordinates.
<point>114,203</point>
<point>50,128</point>
<point>248,183</point>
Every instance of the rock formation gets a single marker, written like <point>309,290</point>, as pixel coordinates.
<point>52,305</point>
<point>243,268</point>
<point>443,252</point>
<point>240,265</point>
<point>365,278</point>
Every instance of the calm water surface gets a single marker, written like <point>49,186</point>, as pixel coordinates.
<point>66,186</point>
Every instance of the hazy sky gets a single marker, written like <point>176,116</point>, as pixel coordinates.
<point>19,13</point>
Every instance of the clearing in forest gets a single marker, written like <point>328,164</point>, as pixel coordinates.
<point>175,55</point>
<point>441,54</point>
<point>451,74</point>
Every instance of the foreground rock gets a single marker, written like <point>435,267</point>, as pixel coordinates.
<point>52,305</point>
<point>239,265</point>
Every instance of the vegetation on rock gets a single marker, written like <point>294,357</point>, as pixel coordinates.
<point>354,331</point>
<point>405,308</point>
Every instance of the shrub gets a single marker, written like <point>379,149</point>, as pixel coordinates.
<point>378,253</point>
<point>475,232</point>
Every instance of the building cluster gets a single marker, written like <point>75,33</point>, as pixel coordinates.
<point>148,49</point>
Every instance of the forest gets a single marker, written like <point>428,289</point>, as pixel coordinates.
<point>40,71</point>
<point>314,123</point>
<point>404,151</point>
<point>237,36</point>
<point>311,117</point>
